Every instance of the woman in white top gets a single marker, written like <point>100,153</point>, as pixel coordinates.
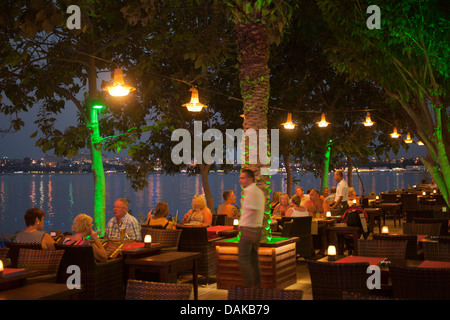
<point>296,210</point>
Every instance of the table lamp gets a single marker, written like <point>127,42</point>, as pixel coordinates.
<point>354,202</point>
<point>434,191</point>
<point>377,198</point>
<point>444,209</point>
<point>331,253</point>
<point>1,269</point>
<point>385,230</point>
<point>236,224</point>
<point>328,215</point>
<point>424,193</point>
<point>148,241</point>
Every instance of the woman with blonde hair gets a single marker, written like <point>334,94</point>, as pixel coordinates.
<point>84,235</point>
<point>159,218</point>
<point>199,214</point>
<point>282,207</point>
<point>352,196</point>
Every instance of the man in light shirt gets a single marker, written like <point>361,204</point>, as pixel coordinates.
<point>341,198</point>
<point>123,220</point>
<point>251,229</point>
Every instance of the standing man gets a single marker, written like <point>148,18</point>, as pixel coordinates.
<point>341,198</point>
<point>251,229</point>
<point>123,220</point>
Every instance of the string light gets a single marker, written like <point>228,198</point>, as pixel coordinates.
<point>194,105</point>
<point>368,122</point>
<point>420,143</point>
<point>408,138</point>
<point>323,123</point>
<point>289,124</point>
<point>118,89</point>
<point>394,134</point>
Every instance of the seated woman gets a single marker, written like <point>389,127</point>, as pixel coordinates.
<point>281,208</point>
<point>275,200</point>
<point>199,214</point>
<point>159,218</point>
<point>352,196</point>
<point>84,235</point>
<point>296,210</point>
<point>34,219</point>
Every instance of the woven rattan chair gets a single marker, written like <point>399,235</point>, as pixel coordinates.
<point>300,227</point>
<point>100,280</point>
<point>442,221</point>
<point>420,213</point>
<point>391,249</point>
<point>44,262</point>
<point>167,238</point>
<point>429,229</point>
<point>409,201</point>
<point>420,283</point>
<point>14,248</point>
<point>3,253</point>
<point>411,242</point>
<point>244,293</point>
<point>195,239</point>
<point>329,280</point>
<point>389,198</point>
<point>143,290</point>
<point>438,251</point>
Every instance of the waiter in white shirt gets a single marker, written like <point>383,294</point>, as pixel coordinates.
<point>341,198</point>
<point>251,229</point>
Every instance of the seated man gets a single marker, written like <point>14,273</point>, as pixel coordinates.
<point>315,204</point>
<point>123,220</point>
<point>330,198</point>
<point>227,207</point>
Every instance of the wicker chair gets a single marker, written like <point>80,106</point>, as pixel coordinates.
<point>300,227</point>
<point>14,248</point>
<point>409,201</point>
<point>144,290</point>
<point>44,262</point>
<point>167,238</point>
<point>100,280</point>
<point>420,213</point>
<point>329,280</point>
<point>420,283</point>
<point>244,293</point>
<point>429,229</point>
<point>195,239</point>
<point>389,197</point>
<point>391,249</point>
<point>411,242</point>
<point>438,251</point>
<point>442,221</point>
<point>3,254</point>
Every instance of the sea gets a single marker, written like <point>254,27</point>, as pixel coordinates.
<point>63,196</point>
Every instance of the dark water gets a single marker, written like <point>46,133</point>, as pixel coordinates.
<point>63,196</point>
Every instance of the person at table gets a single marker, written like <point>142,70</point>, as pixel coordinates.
<point>296,210</point>
<point>316,204</point>
<point>251,229</point>
<point>341,199</point>
<point>84,235</point>
<point>282,207</point>
<point>34,220</point>
<point>331,196</point>
<point>123,220</point>
<point>159,217</point>
<point>275,200</point>
<point>433,184</point>
<point>199,214</point>
<point>325,193</point>
<point>228,207</point>
<point>353,196</point>
<point>299,191</point>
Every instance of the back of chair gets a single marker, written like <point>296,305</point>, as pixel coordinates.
<point>420,283</point>
<point>442,221</point>
<point>300,227</point>
<point>42,261</point>
<point>219,220</point>
<point>391,249</point>
<point>244,293</point>
<point>3,254</point>
<point>167,238</point>
<point>429,229</point>
<point>14,248</point>
<point>420,213</point>
<point>437,251</point>
<point>81,256</point>
<point>409,201</point>
<point>329,280</point>
<point>411,242</point>
<point>143,290</point>
<point>389,198</point>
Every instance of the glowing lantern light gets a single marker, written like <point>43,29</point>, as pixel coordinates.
<point>408,138</point>
<point>194,105</point>
<point>323,123</point>
<point>368,122</point>
<point>289,124</point>
<point>394,134</point>
<point>118,89</point>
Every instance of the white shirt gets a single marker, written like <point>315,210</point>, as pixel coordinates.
<point>342,190</point>
<point>252,207</point>
<point>297,213</point>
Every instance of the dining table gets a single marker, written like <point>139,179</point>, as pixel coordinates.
<point>14,277</point>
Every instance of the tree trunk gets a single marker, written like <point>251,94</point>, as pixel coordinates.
<point>253,54</point>
<point>287,164</point>
<point>326,168</point>
<point>349,171</point>
<point>204,170</point>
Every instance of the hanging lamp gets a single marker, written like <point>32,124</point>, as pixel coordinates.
<point>194,105</point>
<point>394,134</point>
<point>368,122</point>
<point>408,139</point>
<point>323,123</point>
<point>118,89</point>
<point>289,124</point>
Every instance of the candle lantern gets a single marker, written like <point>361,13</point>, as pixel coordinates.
<point>331,253</point>
<point>148,241</point>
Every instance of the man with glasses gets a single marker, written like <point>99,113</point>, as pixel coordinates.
<point>123,220</point>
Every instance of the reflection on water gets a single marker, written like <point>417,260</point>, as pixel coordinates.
<point>63,196</point>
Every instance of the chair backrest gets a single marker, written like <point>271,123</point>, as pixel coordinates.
<point>219,219</point>
<point>329,280</point>
<point>81,256</point>
<point>192,238</point>
<point>300,226</point>
<point>430,229</point>
<point>442,221</point>
<point>144,290</point>
<point>167,238</point>
<point>391,249</point>
<point>438,251</point>
<point>420,213</point>
<point>3,253</point>
<point>41,261</point>
<point>409,201</point>
<point>420,283</point>
<point>253,293</point>
<point>440,200</point>
<point>411,242</point>
<point>389,197</point>
<point>14,248</point>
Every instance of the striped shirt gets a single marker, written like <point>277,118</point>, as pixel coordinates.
<point>130,223</point>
